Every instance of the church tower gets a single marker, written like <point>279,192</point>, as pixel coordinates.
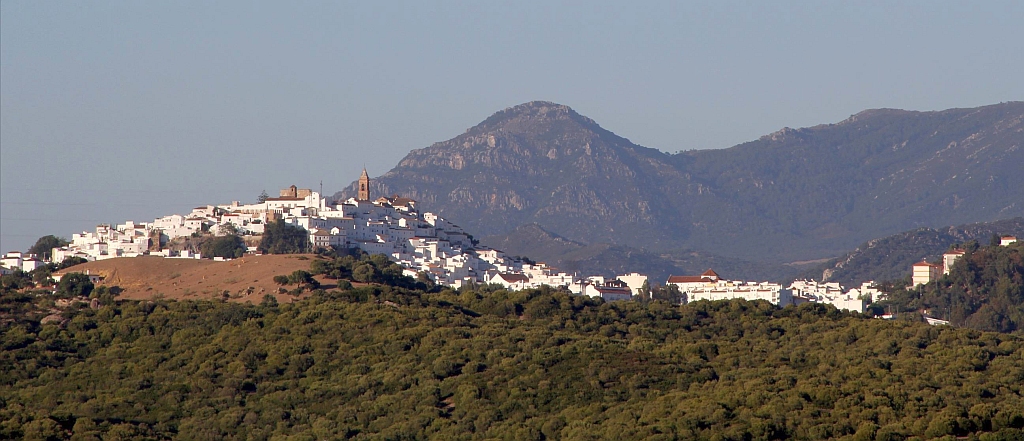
<point>364,186</point>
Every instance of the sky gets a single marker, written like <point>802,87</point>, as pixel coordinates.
<point>114,111</point>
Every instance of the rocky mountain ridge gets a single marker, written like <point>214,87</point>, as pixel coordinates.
<point>795,194</point>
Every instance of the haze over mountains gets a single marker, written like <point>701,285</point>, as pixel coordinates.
<point>796,194</point>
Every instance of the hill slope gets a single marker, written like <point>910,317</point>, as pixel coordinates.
<point>983,290</point>
<point>157,277</point>
<point>796,194</point>
<point>890,258</point>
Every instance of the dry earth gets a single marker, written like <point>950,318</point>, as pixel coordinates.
<point>246,279</point>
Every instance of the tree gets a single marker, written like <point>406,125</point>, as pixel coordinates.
<point>269,301</point>
<point>70,262</point>
<point>299,277</point>
<point>282,238</point>
<point>669,293</point>
<point>364,272</point>
<point>44,245</point>
<point>644,293</point>
<point>41,275</point>
<point>230,246</point>
<point>262,197</point>
<point>424,278</point>
<point>74,285</point>
<point>228,229</point>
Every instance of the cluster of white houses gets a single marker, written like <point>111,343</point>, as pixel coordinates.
<point>16,260</point>
<point>709,286</point>
<point>854,299</point>
<point>425,244</point>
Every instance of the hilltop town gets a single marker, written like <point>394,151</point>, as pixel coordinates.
<point>426,245</point>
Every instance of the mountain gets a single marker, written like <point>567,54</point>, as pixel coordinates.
<point>540,163</point>
<point>890,258</point>
<point>533,241</point>
<point>796,194</point>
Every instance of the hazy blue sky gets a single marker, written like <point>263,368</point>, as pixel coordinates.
<point>132,110</point>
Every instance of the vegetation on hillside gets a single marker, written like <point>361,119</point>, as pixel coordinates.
<point>283,238</point>
<point>228,246</point>
<point>394,363</point>
<point>983,290</point>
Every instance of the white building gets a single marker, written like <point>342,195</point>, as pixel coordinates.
<point>832,293</point>
<point>613,291</point>
<point>925,272</point>
<point>16,260</point>
<point>634,281</point>
<point>391,226</point>
<point>510,281</point>
<point>708,286</point>
<point>326,238</point>
<point>950,258</point>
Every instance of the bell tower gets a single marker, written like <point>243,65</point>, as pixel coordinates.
<point>364,186</point>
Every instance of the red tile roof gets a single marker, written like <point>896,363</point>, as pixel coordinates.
<point>707,276</point>
<point>710,273</point>
<point>513,277</point>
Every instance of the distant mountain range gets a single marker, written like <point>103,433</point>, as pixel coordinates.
<point>796,194</point>
<point>531,240</point>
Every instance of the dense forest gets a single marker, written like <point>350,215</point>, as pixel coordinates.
<point>983,290</point>
<point>389,362</point>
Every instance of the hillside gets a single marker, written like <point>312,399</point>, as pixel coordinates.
<point>983,290</point>
<point>387,363</point>
<point>246,280</point>
<point>533,241</point>
<point>890,258</point>
<point>797,194</point>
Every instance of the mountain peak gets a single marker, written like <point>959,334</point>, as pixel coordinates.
<point>875,113</point>
<point>533,112</point>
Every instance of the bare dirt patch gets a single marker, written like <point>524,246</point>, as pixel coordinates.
<point>246,279</point>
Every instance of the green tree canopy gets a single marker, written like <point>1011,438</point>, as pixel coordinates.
<point>229,246</point>
<point>74,285</point>
<point>44,245</point>
<point>280,237</point>
<point>382,362</point>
